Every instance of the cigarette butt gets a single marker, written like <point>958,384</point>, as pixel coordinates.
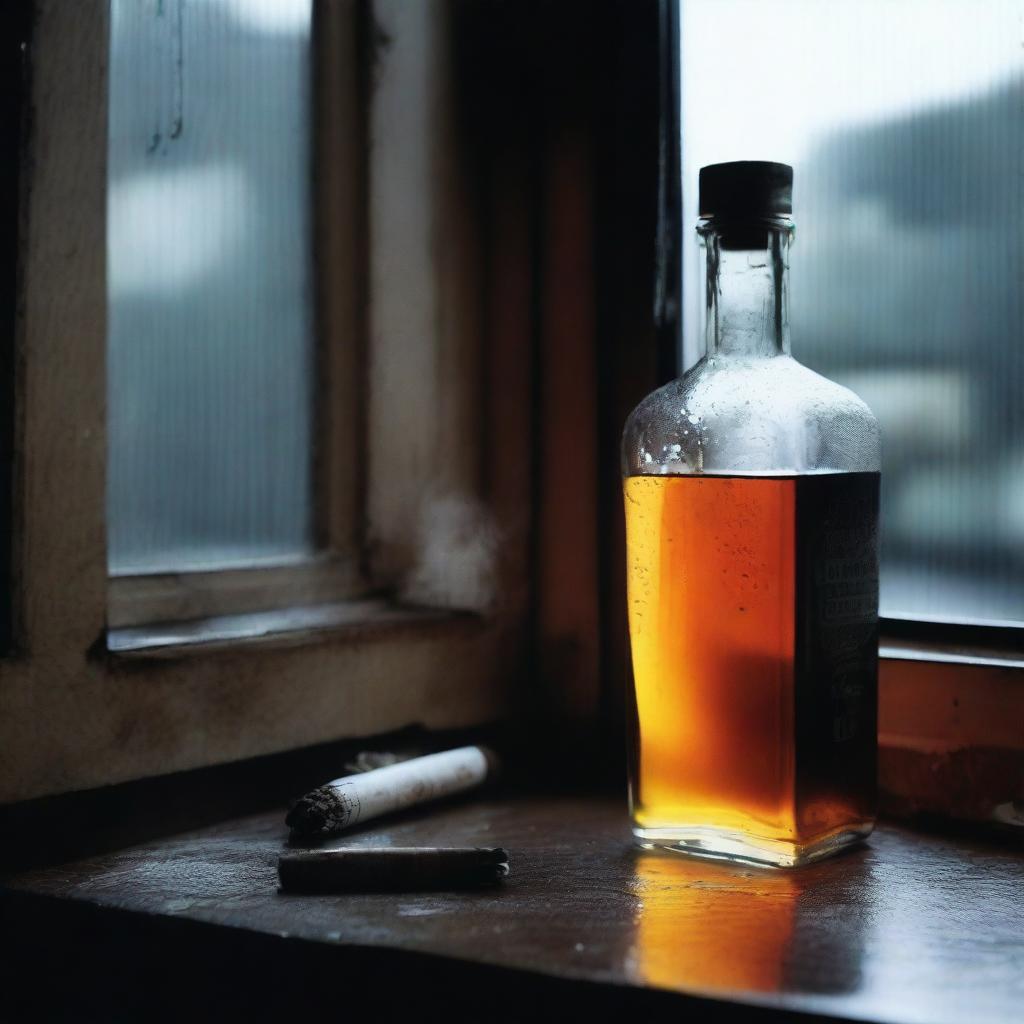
<point>390,868</point>
<point>354,798</point>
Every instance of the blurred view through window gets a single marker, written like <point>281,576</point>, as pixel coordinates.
<point>904,122</point>
<point>210,362</point>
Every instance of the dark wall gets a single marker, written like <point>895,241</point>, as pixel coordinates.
<point>14,38</point>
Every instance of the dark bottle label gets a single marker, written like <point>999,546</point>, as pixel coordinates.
<point>836,664</point>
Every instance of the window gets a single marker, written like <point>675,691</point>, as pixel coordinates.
<point>904,122</point>
<point>231,408</point>
<point>242,464</point>
<point>210,282</point>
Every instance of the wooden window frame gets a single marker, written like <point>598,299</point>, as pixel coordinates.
<point>74,714</point>
<point>335,572</point>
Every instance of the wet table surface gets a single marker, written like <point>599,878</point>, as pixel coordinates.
<point>910,927</point>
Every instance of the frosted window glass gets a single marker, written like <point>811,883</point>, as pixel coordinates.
<point>210,349</point>
<point>904,121</point>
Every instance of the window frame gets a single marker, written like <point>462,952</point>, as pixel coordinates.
<point>395,385</point>
<point>67,701</point>
<point>334,571</point>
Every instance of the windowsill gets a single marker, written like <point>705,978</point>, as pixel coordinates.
<point>953,642</point>
<point>352,618</point>
<point>344,620</point>
<point>949,654</point>
<point>907,928</point>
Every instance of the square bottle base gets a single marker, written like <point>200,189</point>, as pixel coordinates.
<point>720,844</point>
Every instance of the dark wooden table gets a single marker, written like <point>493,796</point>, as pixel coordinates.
<point>909,928</point>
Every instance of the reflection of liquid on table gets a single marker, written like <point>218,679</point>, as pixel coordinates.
<point>716,927</point>
<point>705,926</point>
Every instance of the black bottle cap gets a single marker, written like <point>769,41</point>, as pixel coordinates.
<point>746,188</point>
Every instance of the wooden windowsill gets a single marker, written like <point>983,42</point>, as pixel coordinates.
<point>283,627</point>
<point>947,654</point>
<point>908,928</point>
<point>137,600</point>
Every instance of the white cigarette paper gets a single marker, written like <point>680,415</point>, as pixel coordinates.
<point>355,798</point>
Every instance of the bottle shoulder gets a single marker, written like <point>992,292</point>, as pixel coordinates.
<point>750,415</point>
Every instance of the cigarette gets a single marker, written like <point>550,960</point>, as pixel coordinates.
<point>356,798</point>
<point>377,869</point>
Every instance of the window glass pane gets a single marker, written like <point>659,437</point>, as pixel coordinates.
<point>210,361</point>
<point>904,121</point>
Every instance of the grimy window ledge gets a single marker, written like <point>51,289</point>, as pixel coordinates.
<point>283,627</point>
<point>908,928</point>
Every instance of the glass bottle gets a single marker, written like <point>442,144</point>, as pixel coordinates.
<point>751,497</point>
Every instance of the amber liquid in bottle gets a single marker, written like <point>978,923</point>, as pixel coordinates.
<point>753,627</point>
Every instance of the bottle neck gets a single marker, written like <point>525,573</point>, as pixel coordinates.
<point>747,288</point>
